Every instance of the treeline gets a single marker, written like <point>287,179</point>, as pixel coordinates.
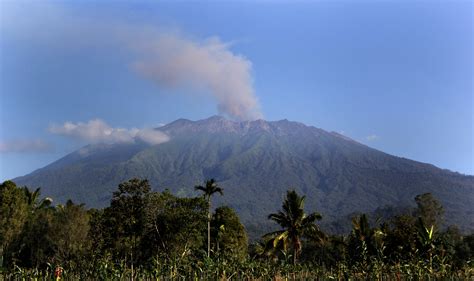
<point>153,235</point>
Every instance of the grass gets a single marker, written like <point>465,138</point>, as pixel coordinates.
<point>209,269</point>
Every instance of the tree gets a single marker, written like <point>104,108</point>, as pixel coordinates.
<point>429,210</point>
<point>295,223</point>
<point>364,241</point>
<point>33,199</point>
<point>69,230</point>
<point>230,237</point>
<point>13,214</point>
<point>25,223</point>
<point>402,237</point>
<point>174,226</point>
<point>125,218</point>
<point>209,189</point>
<point>35,245</point>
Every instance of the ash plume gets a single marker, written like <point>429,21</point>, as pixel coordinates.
<point>173,61</point>
<point>164,55</point>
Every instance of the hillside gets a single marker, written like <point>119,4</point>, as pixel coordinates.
<point>256,162</point>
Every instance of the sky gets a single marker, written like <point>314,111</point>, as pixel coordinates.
<point>394,75</point>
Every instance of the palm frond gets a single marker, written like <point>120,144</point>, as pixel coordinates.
<point>295,224</point>
<point>311,218</point>
<point>219,190</point>
<point>272,234</point>
<point>210,187</point>
<point>281,218</point>
<point>200,187</point>
<point>282,238</point>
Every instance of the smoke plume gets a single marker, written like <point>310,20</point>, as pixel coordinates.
<point>173,61</point>
<point>164,55</point>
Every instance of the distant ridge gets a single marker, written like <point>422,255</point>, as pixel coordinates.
<point>256,162</point>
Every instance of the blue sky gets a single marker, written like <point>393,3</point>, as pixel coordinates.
<point>395,75</point>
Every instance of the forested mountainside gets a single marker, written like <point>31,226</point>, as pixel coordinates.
<point>256,162</point>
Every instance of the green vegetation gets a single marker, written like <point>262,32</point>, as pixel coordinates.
<point>209,189</point>
<point>254,162</point>
<point>145,235</point>
<point>295,223</point>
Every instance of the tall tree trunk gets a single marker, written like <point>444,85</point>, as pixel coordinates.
<point>296,249</point>
<point>131,277</point>
<point>294,258</point>
<point>209,228</point>
<point>1,256</point>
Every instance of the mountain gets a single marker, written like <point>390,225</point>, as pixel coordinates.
<point>256,162</point>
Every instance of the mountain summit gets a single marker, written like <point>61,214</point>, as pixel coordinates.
<point>256,162</point>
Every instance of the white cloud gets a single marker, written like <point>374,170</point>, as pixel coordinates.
<point>152,136</point>
<point>97,131</point>
<point>25,146</point>
<point>372,137</point>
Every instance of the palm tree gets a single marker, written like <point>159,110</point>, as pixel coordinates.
<point>295,223</point>
<point>209,189</point>
<point>364,240</point>
<point>33,199</point>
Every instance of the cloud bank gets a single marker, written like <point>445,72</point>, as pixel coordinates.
<point>171,60</point>
<point>97,131</point>
<point>25,146</point>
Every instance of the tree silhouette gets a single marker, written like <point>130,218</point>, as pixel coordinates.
<point>429,210</point>
<point>33,199</point>
<point>229,234</point>
<point>295,223</point>
<point>365,241</point>
<point>209,189</point>
<point>127,214</point>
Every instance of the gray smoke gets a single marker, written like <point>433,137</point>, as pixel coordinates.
<point>173,61</point>
<point>166,56</point>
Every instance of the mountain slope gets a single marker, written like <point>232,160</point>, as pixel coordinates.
<point>256,162</point>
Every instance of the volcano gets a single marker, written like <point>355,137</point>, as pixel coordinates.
<point>256,162</point>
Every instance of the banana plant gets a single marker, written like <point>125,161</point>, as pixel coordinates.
<point>426,237</point>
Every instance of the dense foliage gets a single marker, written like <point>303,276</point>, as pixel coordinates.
<point>157,235</point>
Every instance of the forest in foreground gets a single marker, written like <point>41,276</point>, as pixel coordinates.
<point>145,235</point>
